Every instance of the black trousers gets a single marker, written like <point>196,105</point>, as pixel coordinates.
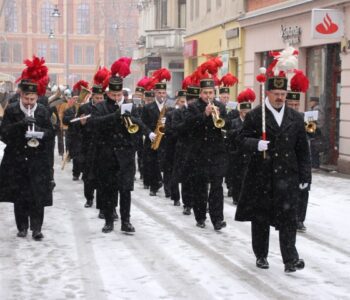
<point>152,173</point>
<point>26,211</point>
<point>60,141</point>
<point>303,199</point>
<point>287,239</point>
<point>187,193</point>
<point>201,197</point>
<point>125,204</point>
<point>77,166</point>
<point>89,188</point>
<point>175,190</point>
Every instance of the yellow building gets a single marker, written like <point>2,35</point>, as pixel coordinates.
<point>213,30</point>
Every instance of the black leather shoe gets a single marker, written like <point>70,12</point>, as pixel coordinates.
<point>75,178</point>
<point>223,224</point>
<point>167,195</point>
<point>234,202</point>
<point>218,225</point>
<point>201,224</point>
<point>295,265</point>
<point>22,233</point>
<point>301,227</point>
<point>262,263</point>
<point>88,203</point>
<point>187,211</point>
<point>108,228</point>
<point>101,215</point>
<point>177,203</point>
<point>37,235</point>
<point>127,227</point>
<point>153,193</point>
<point>115,215</point>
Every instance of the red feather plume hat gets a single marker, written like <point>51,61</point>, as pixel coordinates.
<point>299,83</point>
<point>36,72</point>
<point>246,98</point>
<point>102,77</point>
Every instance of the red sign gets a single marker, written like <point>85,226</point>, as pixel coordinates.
<point>327,26</point>
<point>190,49</point>
<point>327,23</point>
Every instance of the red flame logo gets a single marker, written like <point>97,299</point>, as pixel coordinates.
<point>327,27</point>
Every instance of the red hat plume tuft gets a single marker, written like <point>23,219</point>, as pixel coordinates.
<point>81,83</point>
<point>121,67</point>
<point>102,77</point>
<point>162,74</point>
<point>229,80</point>
<point>248,95</point>
<point>299,82</point>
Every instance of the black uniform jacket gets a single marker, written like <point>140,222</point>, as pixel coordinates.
<point>206,155</point>
<point>113,146</point>
<point>22,163</point>
<point>270,186</point>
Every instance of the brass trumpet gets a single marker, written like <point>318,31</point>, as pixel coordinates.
<point>130,126</point>
<point>310,126</point>
<point>218,122</point>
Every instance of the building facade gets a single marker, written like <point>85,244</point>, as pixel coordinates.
<point>212,29</point>
<point>86,34</point>
<point>325,60</point>
<point>162,26</point>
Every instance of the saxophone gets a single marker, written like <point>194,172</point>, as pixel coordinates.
<point>160,129</point>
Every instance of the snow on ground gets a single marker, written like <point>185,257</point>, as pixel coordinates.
<point>169,257</point>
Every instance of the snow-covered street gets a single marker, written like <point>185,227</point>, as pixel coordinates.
<point>169,257</point>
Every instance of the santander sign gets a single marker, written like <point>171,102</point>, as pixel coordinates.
<point>327,26</point>
<point>327,23</point>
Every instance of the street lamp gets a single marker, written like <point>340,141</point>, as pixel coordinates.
<point>51,34</point>
<point>56,13</point>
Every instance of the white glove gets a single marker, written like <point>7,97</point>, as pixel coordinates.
<point>303,186</point>
<point>152,136</point>
<point>263,145</point>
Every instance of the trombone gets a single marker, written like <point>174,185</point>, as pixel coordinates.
<point>218,122</point>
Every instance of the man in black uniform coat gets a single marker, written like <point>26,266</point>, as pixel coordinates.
<point>293,101</point>
<point>206,157</point>
<point>90,184</point>
<point>115,146</point>
<point>170,141</point>
<point>153,158</point>
<point>224,97</point>
<point>181,150</point>
<point>238,158</point>
<point>74,138</point>
<point>25,170</point>
<point>269,193</point>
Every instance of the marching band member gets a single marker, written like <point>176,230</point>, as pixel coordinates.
<point>115,144</point>
<point>153,115</point>
<point>205,159</point>
<point>279,165</point>
<point>73,136</point>
<point>25,168</point>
